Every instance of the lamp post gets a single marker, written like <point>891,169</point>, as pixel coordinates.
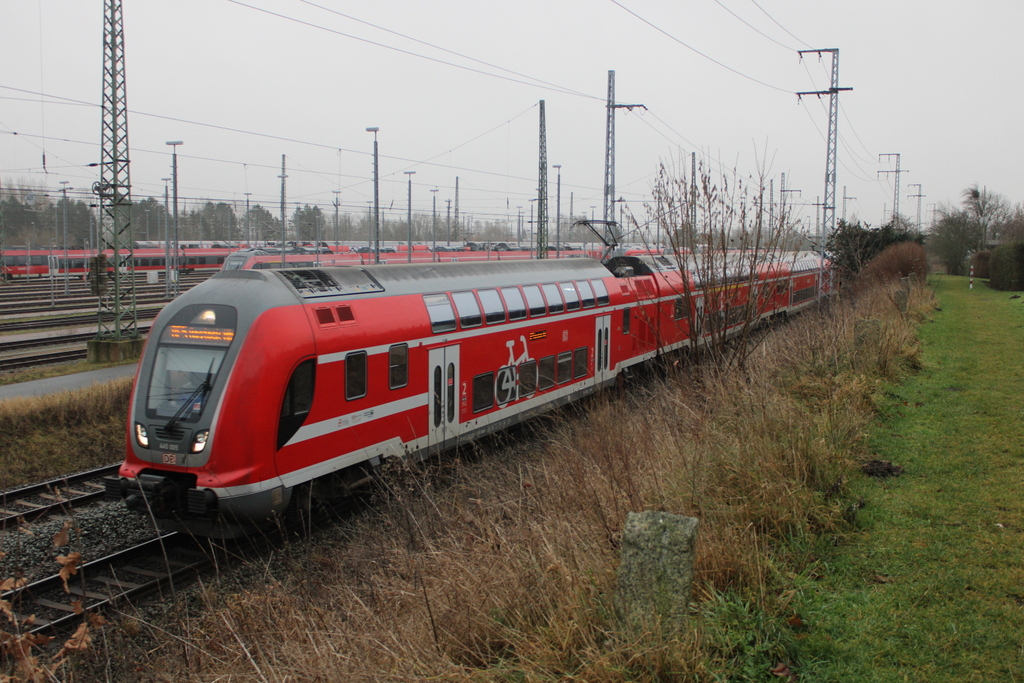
<point>64,191</point>
<point>558,212</point>
<point>337,203</point>
<point>167,242</point>
<point>376,197</point>
<point>248,219</point>
<point>433,232</point>
<point>408,257</point>
<point>174,179</point>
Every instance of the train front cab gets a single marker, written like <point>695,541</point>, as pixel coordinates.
<point>204,420</point>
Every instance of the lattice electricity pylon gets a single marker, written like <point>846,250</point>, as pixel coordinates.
<point>118,318</point>
<point>542,190</point>
<point>828,213</point>
<point>608,210</point>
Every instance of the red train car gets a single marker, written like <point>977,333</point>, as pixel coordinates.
<point>260,389</point>
<point>42,263</point>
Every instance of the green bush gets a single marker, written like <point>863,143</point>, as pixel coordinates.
<point>1006,269</point>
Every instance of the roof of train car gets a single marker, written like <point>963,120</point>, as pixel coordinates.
<point>424,278</point>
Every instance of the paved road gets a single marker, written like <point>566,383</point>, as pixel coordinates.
<point>54,385</point>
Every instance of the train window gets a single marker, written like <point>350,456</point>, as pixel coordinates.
<point>298,400</point>
<point>802,295</point>
<point>546,373</point>
<point>398,366</point>
<point>437,396</point>
<point>587,292</point>
<point>555,304</point>
<point>571,296</point>
<point>451,392</point>
<point>505,385</point>
<point>534,300</point>
<point>483,392</point>
<point>564,366</point>
<point>468,308</point>
<point>345,314</point>
<point>601,291</point>
<point>325,316</point>
<point>626,317</point>
<point>677,309</point>
<point>442,315</point>
<point>494,308</point>
<point>579,362</point>
<point>527,378</point>
<point>355,375</point>
<point>515,303</point>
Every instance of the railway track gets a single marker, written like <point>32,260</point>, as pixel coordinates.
<point>52,358</point>
<point>67,321</point>
<point>56,602</point>
<point>35,501</point>
<point>40,342</point>
<point>33,307</point>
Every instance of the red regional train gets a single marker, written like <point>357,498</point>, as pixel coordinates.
<point>261,389</point>
<point>23,263</point>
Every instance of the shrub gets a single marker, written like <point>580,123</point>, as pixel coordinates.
<point>896,261</point>
<point>1006,270</point>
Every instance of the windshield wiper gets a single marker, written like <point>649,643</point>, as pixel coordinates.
<point>200,392</point>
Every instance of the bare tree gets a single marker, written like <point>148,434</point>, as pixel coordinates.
<point>954,236</point>
<point>989,209</point>
<point>725,249</point>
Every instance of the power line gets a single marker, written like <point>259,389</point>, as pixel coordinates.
<point>693,49</point>
<point>535,84</point>
<point>451,52</point>
<point>754,28</point>
<point>778,24</point>
<point>277,137</point>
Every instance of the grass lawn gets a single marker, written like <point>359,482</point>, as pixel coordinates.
<point>931,586</point>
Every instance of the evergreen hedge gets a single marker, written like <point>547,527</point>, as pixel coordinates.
<point>1006,269</point>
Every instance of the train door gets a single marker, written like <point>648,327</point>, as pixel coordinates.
<point>444,394</point>
<point>602,348</point>
<point>697,329</point>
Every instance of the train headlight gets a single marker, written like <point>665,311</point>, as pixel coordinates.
<point>199,442</point>
<point>141,435</point>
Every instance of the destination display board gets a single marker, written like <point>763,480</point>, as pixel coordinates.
<point>192,334</point>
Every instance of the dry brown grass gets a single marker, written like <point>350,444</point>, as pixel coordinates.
<point>61,433</point>
<point>506,571</point>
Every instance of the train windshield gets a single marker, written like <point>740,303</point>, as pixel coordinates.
<point>181,381</point>
<point>236,261</point>
<point>189,356</point>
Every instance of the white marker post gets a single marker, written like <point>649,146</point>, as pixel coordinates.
<point>972,278</point>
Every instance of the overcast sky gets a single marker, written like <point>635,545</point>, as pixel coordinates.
<point>242,82</point>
